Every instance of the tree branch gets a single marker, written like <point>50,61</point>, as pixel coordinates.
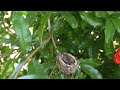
<point>49,28</point>
<point>52,72</point>
<point>54,44</point>
<point>8,54</point>
<point>30,56</point>
<point>6,27</point>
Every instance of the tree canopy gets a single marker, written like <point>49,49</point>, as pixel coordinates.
<point>31,40</point>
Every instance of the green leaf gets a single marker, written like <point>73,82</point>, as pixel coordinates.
<point>109,31</point>
<point>110,12</point>
<point>6,68</point>
<point>84,44</point>
<point>91,71</point>
<point>21,28</point>
<point>90,52</point>
<point>43,23</point>
<point>1,29</point>
<point>91,19</point>
<point>24,12</point>
<point>49,64</point>
<point>70,19</point>
<point>78,74</point>
<point>91,62</point>
<point>32,76</point>
<point>100,14</point>
<point>6,49</point>
<point>35,67</point>
<point>116,22</point>
<point>31,16</point>
<point>109,50</point>
<point>83,24</point>
<point>57,25</point>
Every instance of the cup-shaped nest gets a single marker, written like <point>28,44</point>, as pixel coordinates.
<point>67,63</point>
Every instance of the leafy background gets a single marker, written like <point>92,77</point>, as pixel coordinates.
<point>29,40</point>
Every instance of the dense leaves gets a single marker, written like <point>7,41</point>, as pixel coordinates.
<point>30,41</point>
<point>21,28</point>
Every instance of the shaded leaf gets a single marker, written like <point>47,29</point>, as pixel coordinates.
<point>1,29</point>
<point>90,52</point>
<point>21,28</point>
<point>84,44</point>
<point>24,12</point>
<point>6,68</point>
<point>57,25</point>
<point>91,19</point>
<point>78,74</point>
<point>109,31</point>
<point>70,19</point>
<point>100,14</point>
<point>31,16</point>
<point>6,49</point>
<point>109,50</point>
<point>91,62</point>
<point>91,71</point>
<point>110,12</point>
<point>49,64</point>
<point>43,23</point>
<point>35,67</point>
<point>116,22</point>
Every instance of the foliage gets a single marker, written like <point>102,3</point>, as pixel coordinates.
<point>29,41</point>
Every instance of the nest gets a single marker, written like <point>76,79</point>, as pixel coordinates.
<point>67,63</point>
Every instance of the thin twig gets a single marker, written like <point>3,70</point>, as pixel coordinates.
<point>54,44</point>
<point>16,55</point>
<point>30,56</point>
<point>49,28</point>
<point>12,52</point>
<point>6,27</point>
<point>52,72</point>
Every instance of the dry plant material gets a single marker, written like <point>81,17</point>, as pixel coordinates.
<point>67,63</point>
